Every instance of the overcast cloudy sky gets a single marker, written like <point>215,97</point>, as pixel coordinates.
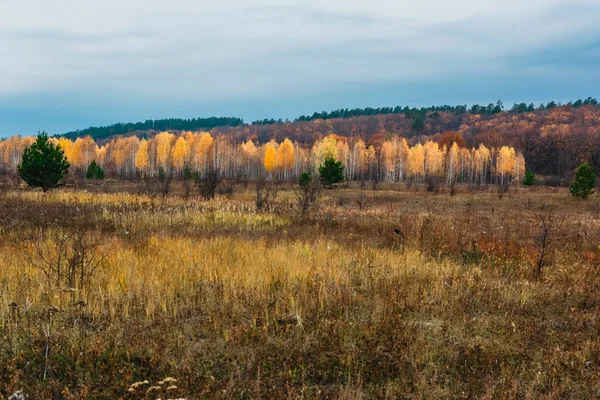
<point>69,64</point>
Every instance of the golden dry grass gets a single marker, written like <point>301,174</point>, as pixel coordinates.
<point>234,303</point>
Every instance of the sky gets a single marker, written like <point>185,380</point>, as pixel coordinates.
<point>70,64</point>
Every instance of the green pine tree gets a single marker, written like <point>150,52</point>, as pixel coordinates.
<point>582,185</point>
<point>44,164</point>
<point>331,172</point>
<point>305,180</point>
<point>187,172</point>
<point>99,173</point>
<point>529,179</point>
<point>94,171</point>
<point>418,123</point>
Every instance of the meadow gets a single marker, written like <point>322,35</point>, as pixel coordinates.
<point>387,292</point>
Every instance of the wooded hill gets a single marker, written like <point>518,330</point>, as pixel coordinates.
<point>553,138</point>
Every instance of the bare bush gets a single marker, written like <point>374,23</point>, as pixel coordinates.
<point>307,195</point>
<point>227,189</point>
<point>159,185</point>
<point>374,183</point>
<point>363,200</point>
<point>147,186</point>
<point>433,183</point>
<point>208,182</point>
<point>453,186</point>
<point>68,260</point>
<point>264,195</point>
<point>547,227</point>
<point>164,180</point>
<point>187,176</point>
<point>13,179</point>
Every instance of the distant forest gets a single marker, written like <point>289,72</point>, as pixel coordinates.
<point>490,109</point>
<point>418,116</point>
<point>170,124</point>
<point>553,137</point>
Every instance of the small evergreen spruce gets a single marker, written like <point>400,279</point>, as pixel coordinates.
<point>305,180</point>
<point>44,164</point>
<point>529,179</point>
<point>94,171</point>
<point>582,185</point>
<point>331,172</point>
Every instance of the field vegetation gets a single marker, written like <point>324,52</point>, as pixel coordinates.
<point>274,291</point>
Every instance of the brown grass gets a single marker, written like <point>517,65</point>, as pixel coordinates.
<point>415,296</point>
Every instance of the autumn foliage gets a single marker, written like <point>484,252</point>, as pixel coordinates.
<point>392,160</point>
<point>462,147</point>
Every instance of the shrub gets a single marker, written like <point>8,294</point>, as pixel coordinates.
<point>582,185</point>
<point>308,193</point>
<point>433,183</point>
<point>227,188</point>
<point>164,180</point>
<point>363,200</point>
<point>44,164</point>
<point>555,181</point>
<point>188,175</point>
<point>207,183</point>
<point>264,195</point>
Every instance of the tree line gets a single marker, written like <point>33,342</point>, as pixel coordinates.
<point>476,109</point>
<point>553,138</point>
<point>417,114</point>
<point>44,164</point>
<point>158,125</point>
<point>393,160</point>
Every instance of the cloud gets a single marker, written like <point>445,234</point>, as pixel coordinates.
<point>136,54</point>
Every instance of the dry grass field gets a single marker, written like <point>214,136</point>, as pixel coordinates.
<point>388,293</point>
